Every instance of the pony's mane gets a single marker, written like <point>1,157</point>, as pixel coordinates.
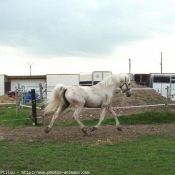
<point>109,80</point>
<point>113,79</point>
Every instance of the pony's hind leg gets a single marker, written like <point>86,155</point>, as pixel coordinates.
<point>76,117</point>
<point>115,116</point>
<point>102,115</point>
<point>55,115</point>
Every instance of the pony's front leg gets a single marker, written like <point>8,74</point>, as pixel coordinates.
<point>55,115</point>
<point>102,115</point>
<point>115,116</point>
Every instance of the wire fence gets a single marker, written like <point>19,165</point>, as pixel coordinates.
<point>20,102</point>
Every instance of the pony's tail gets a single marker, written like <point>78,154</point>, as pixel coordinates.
<point>53,101</point>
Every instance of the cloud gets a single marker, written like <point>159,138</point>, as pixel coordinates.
<point>89,28</point>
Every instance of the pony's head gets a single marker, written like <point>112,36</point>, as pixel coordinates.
<point>121,81</point>
<point>125,84</point>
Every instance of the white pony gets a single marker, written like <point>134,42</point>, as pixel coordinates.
<point>96,96</point>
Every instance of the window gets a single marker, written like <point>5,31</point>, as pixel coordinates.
<point>161,79</point>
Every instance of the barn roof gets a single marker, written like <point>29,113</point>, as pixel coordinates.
<point>26,77</point>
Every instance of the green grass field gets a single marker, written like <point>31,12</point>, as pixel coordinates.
<point>146,155</point>
<point>8,118</point>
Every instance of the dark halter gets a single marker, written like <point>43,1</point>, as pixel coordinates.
<point>127,88</point>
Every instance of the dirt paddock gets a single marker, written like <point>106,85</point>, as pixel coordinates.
<point>104,133</point>
<point>73,134</point>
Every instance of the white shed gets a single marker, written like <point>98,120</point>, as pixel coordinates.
<point>66,79</point>
<point>89,79</point>
<point>28,82</point>
<point>160,82</point>
<point>2,85</point>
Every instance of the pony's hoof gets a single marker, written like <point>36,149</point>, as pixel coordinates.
<point>119,128</point>
<point>93,128</point>
<point>47,130</point>
<point>84,130</point>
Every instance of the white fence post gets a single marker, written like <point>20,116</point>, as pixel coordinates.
<point>41,92</point>
<point>17,94</point>
<point>167,102</point>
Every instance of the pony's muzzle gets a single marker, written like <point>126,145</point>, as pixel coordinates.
<point>128,93</point>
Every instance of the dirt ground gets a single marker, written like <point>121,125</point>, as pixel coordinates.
<point>6,99</point>
<point>104,133</point>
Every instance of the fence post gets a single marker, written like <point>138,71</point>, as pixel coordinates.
<point>43,115</point>
<point>22,96</point>
<point>41,93</point>
<point>167,97</point>
<point>17,101</point>
<point>17,96</point>
<point>34,105</point>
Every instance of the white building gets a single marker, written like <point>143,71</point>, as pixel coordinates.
<point>9,83</point>
<point>89,79</point>
<point>2,85</point>
<point>160,82</point>
<point>67,79</point>
<point>49,81</point>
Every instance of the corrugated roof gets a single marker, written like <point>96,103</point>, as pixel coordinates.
<point>62,74</point>
<point>26,77</point>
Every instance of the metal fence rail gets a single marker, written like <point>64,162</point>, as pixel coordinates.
<point>20,102</point>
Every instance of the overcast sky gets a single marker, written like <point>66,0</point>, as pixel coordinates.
<point>73,36</point>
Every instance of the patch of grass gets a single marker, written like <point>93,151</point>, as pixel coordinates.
<point>149,99</point>
<point>8,118</point>
<point>146,155</point>
<point>150,117</point>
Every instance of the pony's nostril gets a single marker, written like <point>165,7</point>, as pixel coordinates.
<point>128,94</point>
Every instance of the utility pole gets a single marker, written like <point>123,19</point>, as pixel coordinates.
<point>161,63</point>
<point>30,69</point>
<point>30,64</point>
<point>129,66</point>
